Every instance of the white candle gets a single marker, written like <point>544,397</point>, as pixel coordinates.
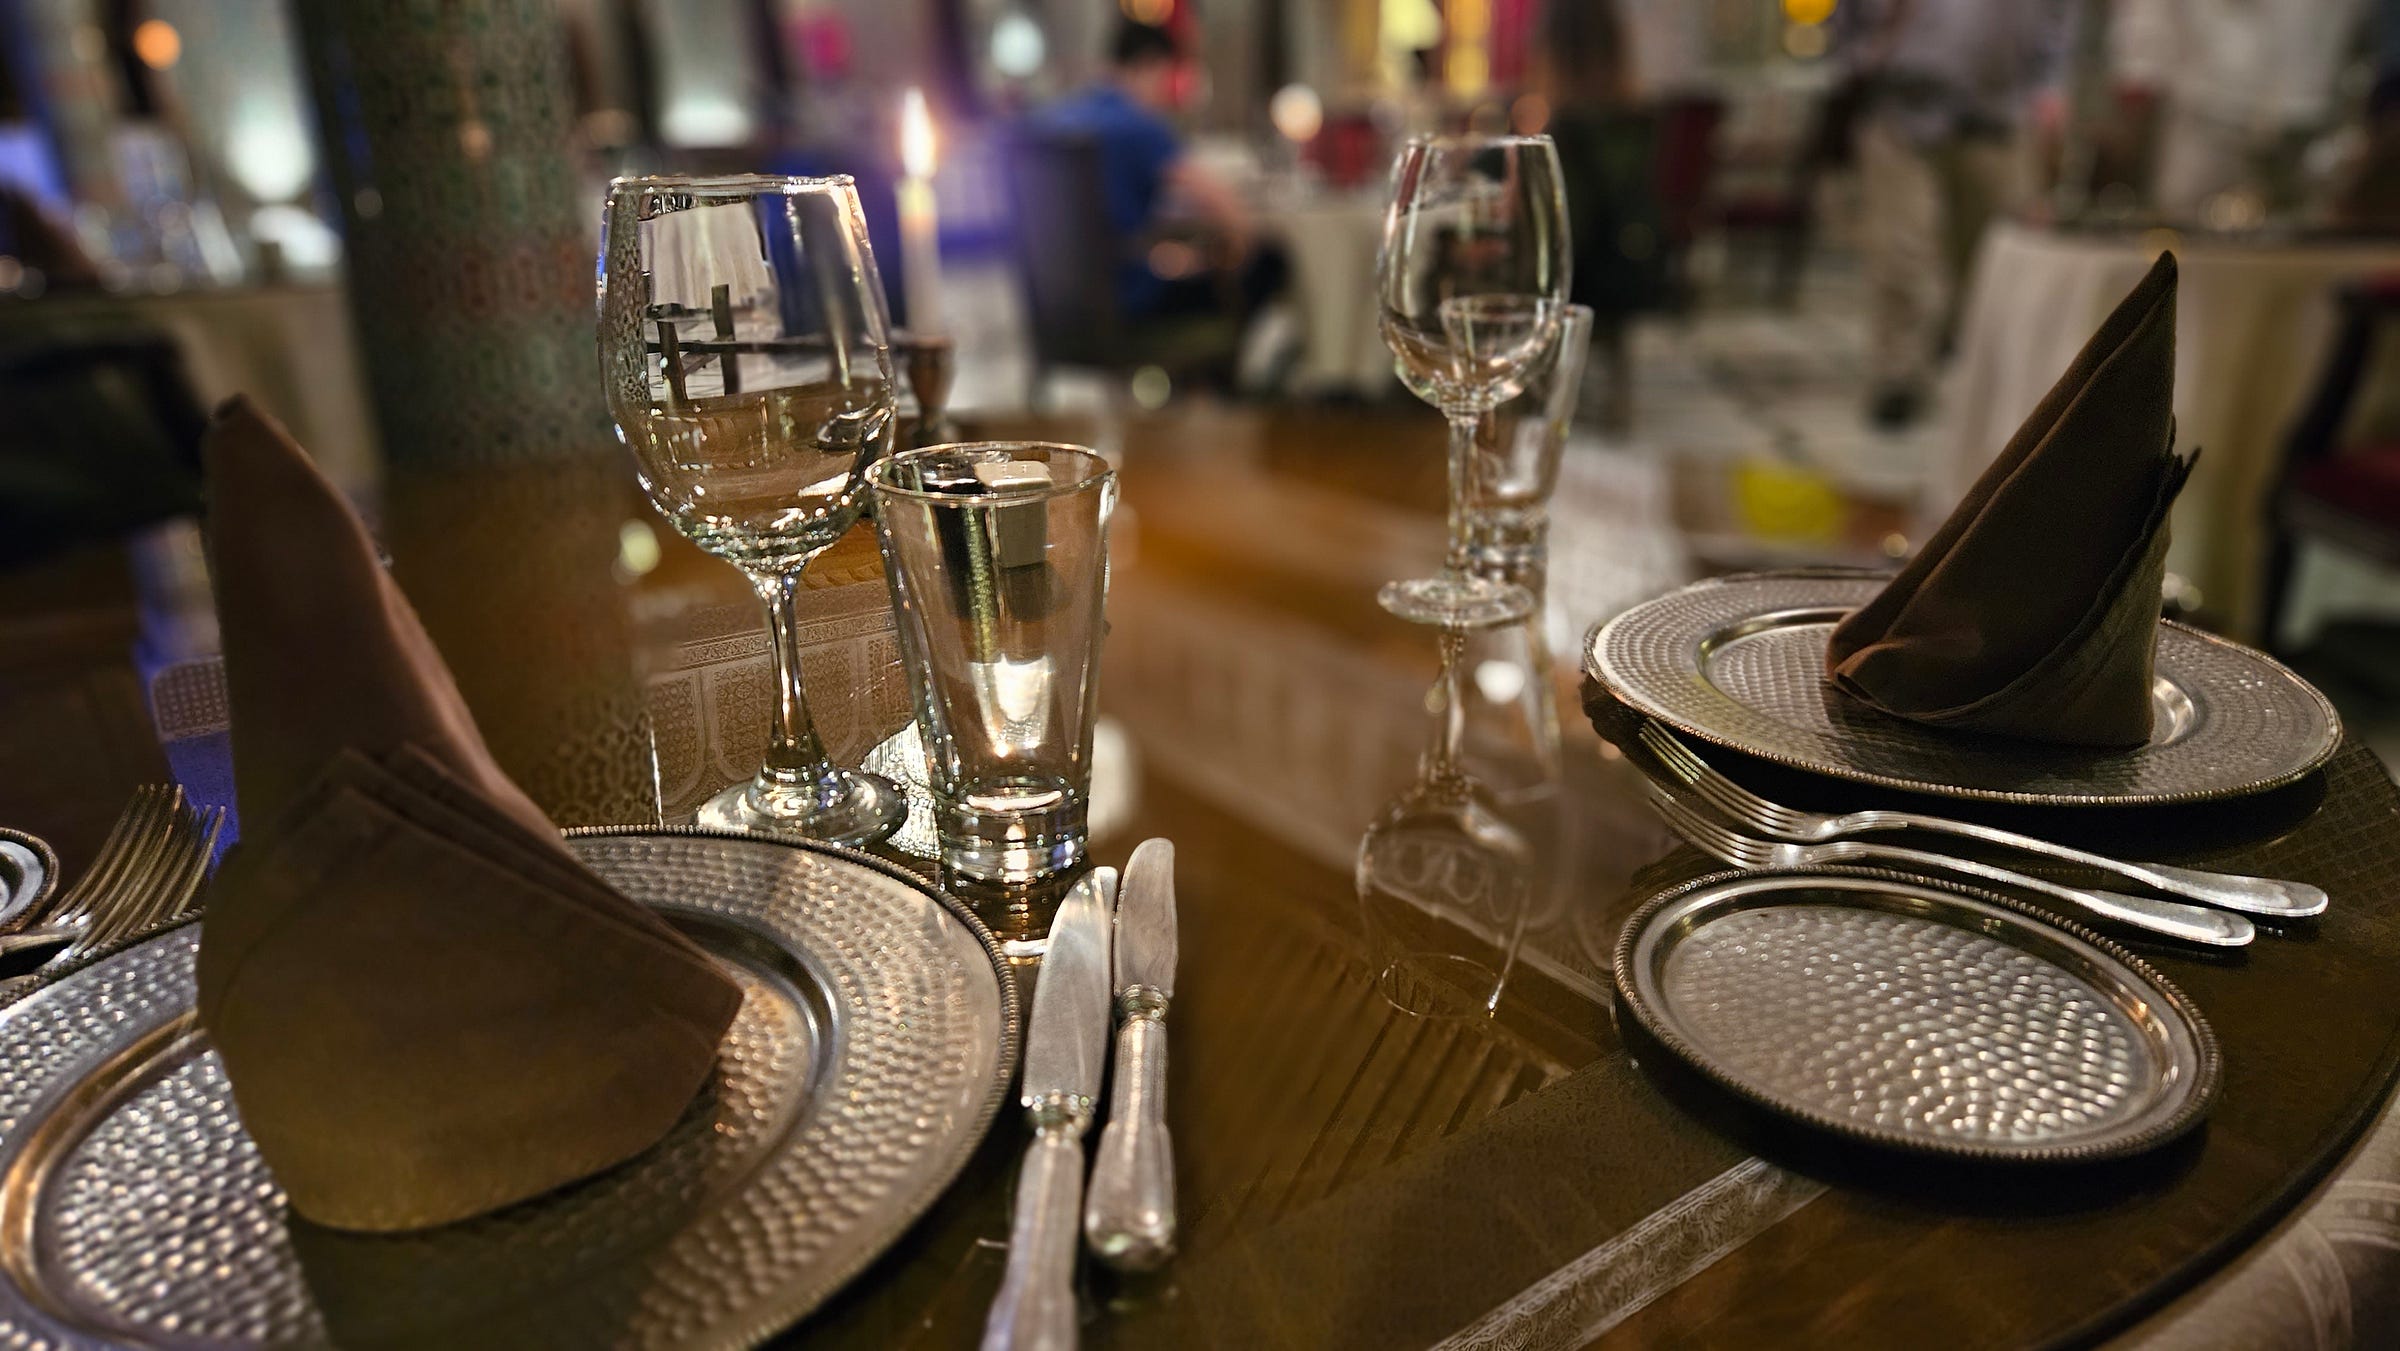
<point>920,224</point>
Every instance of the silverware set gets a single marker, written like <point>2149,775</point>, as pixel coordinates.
<point>1106,938</point>
<point>1736,825</point>
<point>147,873</point>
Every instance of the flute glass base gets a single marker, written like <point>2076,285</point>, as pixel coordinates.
<point>867,808</point>
<point>1456,601</point>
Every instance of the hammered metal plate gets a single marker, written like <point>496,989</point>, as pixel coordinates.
<point>876,1039</point>
<point>1919,1016</point>
<point>1740,663</point>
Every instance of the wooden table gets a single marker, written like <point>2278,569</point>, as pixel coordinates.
<point>1353,1176</point>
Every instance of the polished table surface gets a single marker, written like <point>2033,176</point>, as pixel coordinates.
<point>1350,1174</point>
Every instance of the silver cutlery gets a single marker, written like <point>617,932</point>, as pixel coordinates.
<point>2171,919</point>
<point>148,872</point>
<point>1129,1214</point>
<point>2266,896</point>
<point>1066,1042</point>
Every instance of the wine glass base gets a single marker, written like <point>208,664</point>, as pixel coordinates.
<point>871,809</point>
<point>1457,602</point>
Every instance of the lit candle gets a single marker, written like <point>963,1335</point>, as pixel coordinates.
<point>920,226</point>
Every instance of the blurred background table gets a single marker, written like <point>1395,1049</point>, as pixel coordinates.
<point>2254,319</point>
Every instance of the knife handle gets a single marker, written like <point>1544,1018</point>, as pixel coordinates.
<point>1130,1216</point>
<point>1036,1307</point>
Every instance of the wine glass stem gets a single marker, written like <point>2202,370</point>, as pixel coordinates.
<point>795,757</point>
<point>1462,482</point>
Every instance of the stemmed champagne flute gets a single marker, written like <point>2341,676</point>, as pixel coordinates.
<point>1473,279</point>
<point>748,359</point>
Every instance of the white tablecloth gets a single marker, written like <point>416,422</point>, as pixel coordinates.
<point>2253,324</point>
<point>1331,242</point>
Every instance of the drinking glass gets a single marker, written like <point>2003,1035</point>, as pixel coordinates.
<point>1512,744</point>
<point>997,556</point>
<point>1517,450</point>
<point>1472,278</point>
<point>747,355</point>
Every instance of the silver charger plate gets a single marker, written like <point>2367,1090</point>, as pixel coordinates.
<point>1740,662</point>
<point>1919,1016</point>
<point>877,1037</point>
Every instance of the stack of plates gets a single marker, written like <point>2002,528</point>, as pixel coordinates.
<point>1912,1012</point>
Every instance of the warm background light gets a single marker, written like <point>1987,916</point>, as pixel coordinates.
<point>157,43</point>
<point>1808,12</point>
<point>1148,11</point>
<point>1297,112</point>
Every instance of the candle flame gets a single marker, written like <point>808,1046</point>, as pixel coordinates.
<point>916,135</point>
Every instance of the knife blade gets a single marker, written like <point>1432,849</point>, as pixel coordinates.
<point>1129,1218</point>
<point>1064,1044</point>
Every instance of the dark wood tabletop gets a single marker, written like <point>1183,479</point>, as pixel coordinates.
<point>1350,1175</point>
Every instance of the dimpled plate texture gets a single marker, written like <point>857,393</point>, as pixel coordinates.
<point>1911,1015</point>
<point>877,1036</point>
<point>1740,662</point>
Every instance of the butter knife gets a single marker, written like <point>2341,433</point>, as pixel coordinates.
<point>1129,1216</point>
<point>1064,1046</point>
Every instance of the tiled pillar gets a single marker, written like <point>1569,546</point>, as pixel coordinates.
<point>446,126</point>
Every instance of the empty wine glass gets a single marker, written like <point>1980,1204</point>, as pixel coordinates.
<point>1473,278</point>
<point>747,355</point>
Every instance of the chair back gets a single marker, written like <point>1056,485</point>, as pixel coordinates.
<point>1066,251</point>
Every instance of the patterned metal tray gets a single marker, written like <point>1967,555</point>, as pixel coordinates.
<point>1918,1015</point>
<point>877,1037</point>
<point>1740,662</point>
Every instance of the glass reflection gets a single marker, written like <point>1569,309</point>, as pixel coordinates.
<point>1444,879</point>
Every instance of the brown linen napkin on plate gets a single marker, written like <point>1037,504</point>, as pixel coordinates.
<point>426,1006</point>
<point>2033,611</point>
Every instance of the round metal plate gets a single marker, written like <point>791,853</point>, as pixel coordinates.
<point>28,872</point>
<point>1740,662</point>
<point>876,1039</point>
<point>1917,1015</point>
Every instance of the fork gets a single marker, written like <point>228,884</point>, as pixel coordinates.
<point>138,828</point>
<point>2172,919</point>
<point>147,873</point>
<point>2266,896</point>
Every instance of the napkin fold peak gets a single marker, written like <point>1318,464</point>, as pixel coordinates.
<point>2033,610</point>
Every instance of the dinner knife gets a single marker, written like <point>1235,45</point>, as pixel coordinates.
<point>1129,1216</point>
<point>1064,1047</point>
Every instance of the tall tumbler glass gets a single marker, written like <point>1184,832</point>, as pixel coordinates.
<point>1517,451</point>
<point>748,363</point>
<point>997,556</point>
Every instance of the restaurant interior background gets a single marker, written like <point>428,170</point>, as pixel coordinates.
<point>169,196</point>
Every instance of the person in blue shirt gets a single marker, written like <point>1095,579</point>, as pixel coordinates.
<point>1143,168</point>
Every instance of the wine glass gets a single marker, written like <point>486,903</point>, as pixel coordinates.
<point>1473,281</point>
<point>748,360</point>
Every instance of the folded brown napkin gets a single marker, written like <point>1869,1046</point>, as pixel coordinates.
<point>427,1008</point>
<point>2033,611</point>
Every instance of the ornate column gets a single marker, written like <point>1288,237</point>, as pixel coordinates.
<point>446,126</point>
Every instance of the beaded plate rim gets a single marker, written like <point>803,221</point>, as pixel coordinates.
<point>753,1321</point>
<point>1642,690</point>
<point>2118,1141</point>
